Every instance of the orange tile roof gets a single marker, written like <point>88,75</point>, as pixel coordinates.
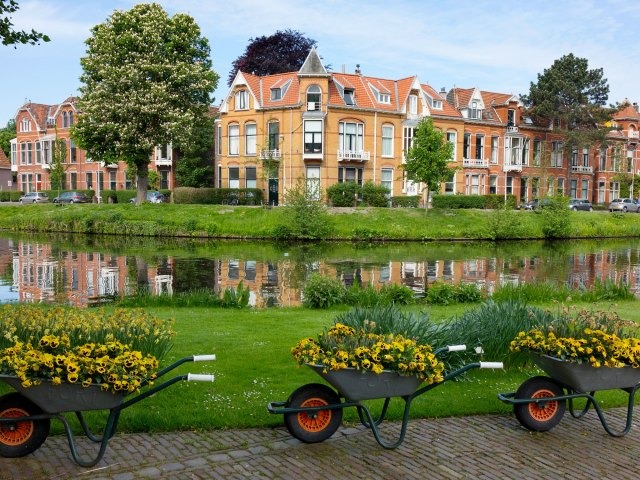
<point>627,112</point>
<point>462,97</point>
<point>492,98</point>
<point>447,108</point>
<point>4,161</point>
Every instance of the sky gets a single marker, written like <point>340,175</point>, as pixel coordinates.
<point>498,46</point>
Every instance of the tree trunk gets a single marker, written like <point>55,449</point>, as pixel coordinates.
<point>142,180</point>
<point>426,200</point>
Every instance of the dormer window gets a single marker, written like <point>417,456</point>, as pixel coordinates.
<point>511,118</point>
<point>413,104</point>
<point>25,125</point>
<point>348,96</point>
<point>276,94</point>
<point>385,98</point>
<point>437,105</point>
<point>474,111</point>
<point>242,100</point>
<point>314,98</point>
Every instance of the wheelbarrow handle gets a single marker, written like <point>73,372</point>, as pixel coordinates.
<point>491,365</point>
<point>457,348</point>
<point>198,377</point>
<point>204,358</point>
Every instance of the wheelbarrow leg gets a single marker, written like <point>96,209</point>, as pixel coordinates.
<point>89,433</point>
<point>630,405</point>
<point>109,431</point>
<point>383,414</point>
<point>373,424</point>
<point>586,408</point>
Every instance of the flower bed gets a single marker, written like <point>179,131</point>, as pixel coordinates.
<point>69,345</point>
<point>342,347</point>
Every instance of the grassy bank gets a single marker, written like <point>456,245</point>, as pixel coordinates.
<point>255,222</point>
<point>254,367</point>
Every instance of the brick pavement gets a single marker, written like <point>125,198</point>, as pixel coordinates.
<point>477,447</point>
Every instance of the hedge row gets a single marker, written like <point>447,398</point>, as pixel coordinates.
<point>218,196</point>
<point>350,194</point>
<point>9,196</point>
<point>492,201</point>
<point>124,196</point>
<point>407,202</point>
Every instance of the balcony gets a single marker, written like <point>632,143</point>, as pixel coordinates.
<point>353,156</point>
<point>270,154</point>
<point>515,167</point>
<point>475,163</point>
<point>163,162</point>
<point>46,166</point>
<point>313,106</point>
<point>581,169</point>
<point>633,135</point>
<point>512,130</point>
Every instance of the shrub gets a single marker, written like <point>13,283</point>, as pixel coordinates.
<point>10,196</point>
<point>406,202</point>
<point>440,293</point>
<point>375,195</point>
<point>54,193</point>
<point>504,223</point>
<point>217,196</point>
<point>305,217</point>
<point>366,234</point>
<point>322,292</point>
<point>556,218</point>
<point>393,294</point>
<point>473,201</point>
<point>357,294</point>
<point>109,196</point>
<point>125,196</point>
<point>343,194</point>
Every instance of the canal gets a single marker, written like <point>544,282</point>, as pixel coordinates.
<point>83,269</point>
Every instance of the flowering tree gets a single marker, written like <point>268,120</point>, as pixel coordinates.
<point>8,35</point>
<point>147,81</point>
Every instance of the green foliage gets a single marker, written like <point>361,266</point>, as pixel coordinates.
<point>237,298</point>
<point>367,234</point>
<point>6,135</point>
<point>58,168</point>
<point>108,196</point>
<point>322,292</point>
<point>374,195</point>
<point>305,218</point>
<point>547,291</point>
<point>125,196</point>
<point>153,180</point>
<point>230,298</point>
<point>368,295</point>
<point>411,201</point>
<point>626,182</point>
<point>10,196</point>
<point>343,194</point>
<point>194,167</point>
<point>427,161</point>
<point>440,293</point>
<point>8,35</point>
<point>505,223</point>
<point>217,196</point>
<point>146,81</point>
<point>556,218</point>
<point>492,201</point>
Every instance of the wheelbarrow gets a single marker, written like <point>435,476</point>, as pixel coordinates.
<point>25,415</point>
<point>313,412</point>
<point>540,402</point>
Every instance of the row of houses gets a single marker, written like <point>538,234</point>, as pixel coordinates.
<point>324,127</point>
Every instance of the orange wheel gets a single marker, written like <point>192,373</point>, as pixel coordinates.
<point>20,438</point>
<point>542,415</point>
<point>315,425</point>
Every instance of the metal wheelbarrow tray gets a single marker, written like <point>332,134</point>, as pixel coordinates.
<point>540,402</point>
<point>25,415</point>
<point>313,412</point>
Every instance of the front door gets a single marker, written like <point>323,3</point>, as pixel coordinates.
<point>273,191</point>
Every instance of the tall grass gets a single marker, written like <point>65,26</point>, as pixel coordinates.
<point>230,298</point>
<point>547,291</point>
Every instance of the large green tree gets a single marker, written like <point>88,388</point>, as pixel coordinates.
<point>573,98</point>
<point>427,160</point>
<point>147,81</point>
<point>195,164</point>
<point>8,35</point>
<point>6,135</point>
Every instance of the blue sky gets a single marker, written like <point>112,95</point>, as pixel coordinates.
<point>495,45</point>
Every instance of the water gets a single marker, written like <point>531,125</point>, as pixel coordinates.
<point>83,269</point>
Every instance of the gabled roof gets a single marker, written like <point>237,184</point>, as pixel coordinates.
<point>493,99</point>
<point>4,161</point>
<point>40,112</point>
<point>447,108</point>
<point>312,65</point>
<point>628,112</point>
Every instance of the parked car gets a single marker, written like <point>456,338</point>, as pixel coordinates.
<point>152,197</point>
<point>34,197</point>
<point>577,204</point>
<point>535,204</point>
<point>72,197</point>
<point>624,205</point>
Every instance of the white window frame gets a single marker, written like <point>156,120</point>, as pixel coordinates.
<point>313,182</point>
<point>313,133</point>
<point>234,145</point>
<point>241,101</point>
<point>387,182</point>
<point>481,137</point>
<point>387,141</point>
<point>494,149</point>
<point>384,98</point>
<point>276,94</point>
<point>314,105</point>
<point>452,137</point>
<point>413,104</point>
<point>236,181</point>
<point>254,180</point>
<point>250,139</point>
<point>343,135</point>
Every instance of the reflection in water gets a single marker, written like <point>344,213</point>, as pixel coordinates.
<point>79,270</point>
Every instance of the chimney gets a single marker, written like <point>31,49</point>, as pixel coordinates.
<point>344,68</point>
<point>443,92</point>
<point>358,71</point>
<point>635,106</point>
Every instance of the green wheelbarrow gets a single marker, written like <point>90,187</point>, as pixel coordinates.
<point>25,415</point>
<point>313,412</point>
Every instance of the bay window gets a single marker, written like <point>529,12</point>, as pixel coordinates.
<point>313,136</point>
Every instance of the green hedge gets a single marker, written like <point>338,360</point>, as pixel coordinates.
<point>54,193</point>
<point>218,196</point>
<point>109,196</point>
<point>10,196</point>
<point>125,196</point>
<point>350,194</point>
<point>410,201</point>
<point>472,201</point>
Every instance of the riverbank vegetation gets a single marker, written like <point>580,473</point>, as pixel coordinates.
<point>358,224</point>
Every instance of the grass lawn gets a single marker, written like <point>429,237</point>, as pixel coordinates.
<point>254,367</point>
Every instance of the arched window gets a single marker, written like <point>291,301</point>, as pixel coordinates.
<point>65,121</point>
<point>70,118</point>
<point>314,98</point>
<point>234,139</point>
<point>250,139</point>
